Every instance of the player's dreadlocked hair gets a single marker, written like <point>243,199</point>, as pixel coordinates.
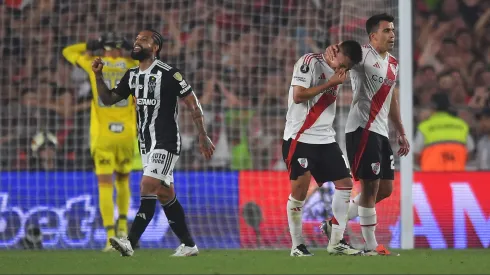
<point>158,38</point>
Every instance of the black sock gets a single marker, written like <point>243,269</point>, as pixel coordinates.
<point>142,219</point>
<point>176,218</point>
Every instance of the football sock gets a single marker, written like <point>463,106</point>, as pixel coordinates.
<point>123,196</point>
<point>368,222</point>
<point>106,206</point>
<point>143,218</point>
<point>122,225</point>
<point>176,219</point>
<point>353,208</point>
<point>340,207</point>
<point>295,213</point>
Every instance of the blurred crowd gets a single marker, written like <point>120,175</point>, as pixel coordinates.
<point>237,55</point>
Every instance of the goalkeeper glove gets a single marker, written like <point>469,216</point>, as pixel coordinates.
<point>95,44</point>
<point>126,45</point>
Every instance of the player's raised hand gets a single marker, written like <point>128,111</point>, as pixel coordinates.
<point>339,77</point>
<point>97,65</point>
<point>331,51</point>
<point>404,146</point>
<point>206,146</point>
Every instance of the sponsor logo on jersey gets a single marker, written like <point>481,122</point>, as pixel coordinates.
<point>382,80</point>
<point>103,161</point>
<point>303,162</point>
<point>304,68</point>
<point>183,84</point>
<point>376,167</point>
<point>300,78</point>
<point>158,158</point>
<point>185,90</point>
<point>178,76</point>
<point>322,76</point>
<point>152,83</point>
<point>331,91</point>
<point>146,101</point>
<point>116,127</point>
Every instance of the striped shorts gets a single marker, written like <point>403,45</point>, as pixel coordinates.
<point>159,164</point>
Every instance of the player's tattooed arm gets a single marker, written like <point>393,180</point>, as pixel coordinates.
<point>206,146</point>
<point>106,95</point>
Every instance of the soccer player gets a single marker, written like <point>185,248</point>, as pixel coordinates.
<point>156,86</point>
<point>112,129</point>
<point>368,148</point>
<point>309,147</point>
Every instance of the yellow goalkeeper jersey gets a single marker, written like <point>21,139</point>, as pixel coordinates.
<point>106,122</point>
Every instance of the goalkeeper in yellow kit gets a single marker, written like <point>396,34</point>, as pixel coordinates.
<point>112,128</point>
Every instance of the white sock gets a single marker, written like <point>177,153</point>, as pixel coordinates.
<point>340,207</point>
<point>353,208</point>
<point>295,211</point>
<point>368,222</point>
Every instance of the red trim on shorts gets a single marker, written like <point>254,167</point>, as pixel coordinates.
<point>343,188</point>
<point>365,225</point>
<point>321,105</point>
<point>376,104</point>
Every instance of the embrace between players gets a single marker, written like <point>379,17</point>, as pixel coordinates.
<point>309,146</point>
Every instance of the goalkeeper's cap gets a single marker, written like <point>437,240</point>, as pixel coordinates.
<point>42,140</point>
<point>111,40</point>
<point>158,39</point>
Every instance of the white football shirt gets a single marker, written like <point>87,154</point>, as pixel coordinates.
<point>373,81</point>
<point>311,120</point>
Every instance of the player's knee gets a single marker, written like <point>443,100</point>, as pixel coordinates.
<point>104,179</point>
<point>385,190</point>
<point>299,187</point>
<point>165,194</point>
<point>149,186</point>
<point>120,177</point>
<point>370,187</point>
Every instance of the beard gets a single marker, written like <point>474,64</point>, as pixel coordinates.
<point>141,55</point>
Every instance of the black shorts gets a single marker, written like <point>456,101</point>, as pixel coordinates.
<point>326,162</point>
<point>370,155</point>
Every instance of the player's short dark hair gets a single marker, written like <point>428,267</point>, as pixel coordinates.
<point>372,24</point>
<point>352,49</point>
<point>158,39</point>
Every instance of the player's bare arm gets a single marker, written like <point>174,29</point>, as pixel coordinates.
<point>106,94</point>
<point>206,146</point>
<point>395,118</point>
<point>302,94</point>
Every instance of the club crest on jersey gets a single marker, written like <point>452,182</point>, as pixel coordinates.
<point>303,162</point>
<point>178,76</point>
<point>152,83</point>
<point>304,68</point>
<point>376,166</point>
<point>331,91</point>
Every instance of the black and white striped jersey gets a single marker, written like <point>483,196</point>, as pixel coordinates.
<point>156,91</point>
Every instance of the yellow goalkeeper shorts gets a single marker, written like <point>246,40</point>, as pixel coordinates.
<point>113,156</point>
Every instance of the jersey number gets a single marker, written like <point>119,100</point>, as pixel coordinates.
<point>122,103</point>
<point>392,160</point>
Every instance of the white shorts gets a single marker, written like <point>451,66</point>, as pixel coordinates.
<point>159,164</point>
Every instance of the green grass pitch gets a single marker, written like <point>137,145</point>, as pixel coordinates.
<point>242,262</point>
